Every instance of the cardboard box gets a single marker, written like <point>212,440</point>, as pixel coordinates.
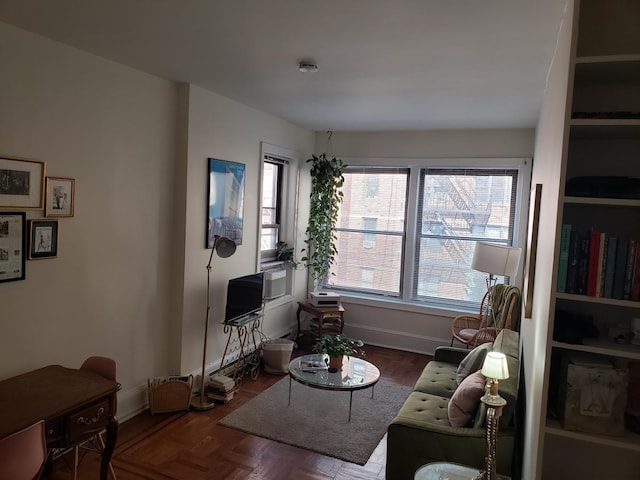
<point>595,396</point>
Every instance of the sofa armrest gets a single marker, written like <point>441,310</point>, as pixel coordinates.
<point>453,355</point>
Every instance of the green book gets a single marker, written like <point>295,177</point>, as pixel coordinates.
<point>563,263</point>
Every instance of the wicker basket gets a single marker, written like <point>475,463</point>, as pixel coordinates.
<point>169,394</point>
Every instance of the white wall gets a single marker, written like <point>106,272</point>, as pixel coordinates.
<point>113,130</point>
<point>226,130</point>
<point>385,323</point>
<point>129,281</point>
<point>550,142</point>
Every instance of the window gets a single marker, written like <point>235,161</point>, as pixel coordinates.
<point>371,231</point>
<point>414,240</point>
<point>272,173</point>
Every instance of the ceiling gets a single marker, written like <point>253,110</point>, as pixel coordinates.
<point>382,64</point>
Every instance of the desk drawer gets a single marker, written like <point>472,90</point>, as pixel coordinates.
<point>54,430</point>
<point>89,421</point>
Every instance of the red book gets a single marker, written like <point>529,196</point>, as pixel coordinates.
<point>594,256</point>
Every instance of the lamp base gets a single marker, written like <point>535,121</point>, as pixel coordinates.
<point>201,404</point>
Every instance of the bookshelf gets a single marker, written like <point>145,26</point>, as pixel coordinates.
<point>602,139</point>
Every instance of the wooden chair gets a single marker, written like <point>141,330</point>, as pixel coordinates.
<point>105,367</point>
<point>475,329</point>
<point>23,454</point>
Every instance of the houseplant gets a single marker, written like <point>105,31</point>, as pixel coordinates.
<point>326,195</point>
<point>336,346</point>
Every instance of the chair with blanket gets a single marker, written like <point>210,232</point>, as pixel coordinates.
<point>484,327</point>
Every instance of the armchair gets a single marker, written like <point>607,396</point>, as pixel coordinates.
<point>484,327</point>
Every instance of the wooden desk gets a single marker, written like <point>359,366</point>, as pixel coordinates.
<point>321,313</point>
<point>75,404</point>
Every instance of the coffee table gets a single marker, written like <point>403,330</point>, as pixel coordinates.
<point>356,374</point>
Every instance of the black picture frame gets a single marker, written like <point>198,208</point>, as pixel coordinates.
<point>12,246</point>
<point>225,201</point>
<point>43,239</point>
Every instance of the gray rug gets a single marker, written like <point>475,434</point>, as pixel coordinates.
<point>317,420</point>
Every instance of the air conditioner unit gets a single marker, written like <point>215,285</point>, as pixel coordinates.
<point>275,284</point>
<point>368,244</point>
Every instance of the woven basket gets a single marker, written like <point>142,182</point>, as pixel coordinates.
<point>169,394</point>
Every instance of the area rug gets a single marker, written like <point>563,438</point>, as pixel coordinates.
<point>317,420</point>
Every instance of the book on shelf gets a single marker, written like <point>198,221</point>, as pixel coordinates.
<point>583,263</point>
<point>620,268</point>
<point>602,259</point>
<point>610,266</point>
<point>563,263</point>
<point>594,256</point>
<point>635,281</point>
<point>628,277</point>
<point>573,262</point>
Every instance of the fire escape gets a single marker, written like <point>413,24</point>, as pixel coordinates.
<point>465,209</point>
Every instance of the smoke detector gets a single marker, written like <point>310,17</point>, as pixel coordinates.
<point>307,66</point>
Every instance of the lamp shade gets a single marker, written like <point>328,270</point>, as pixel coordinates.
<point>224,246</point>
<point>495,366</point>
<point>496,259</point>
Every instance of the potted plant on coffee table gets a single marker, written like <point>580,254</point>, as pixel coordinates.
<point>337,346</point>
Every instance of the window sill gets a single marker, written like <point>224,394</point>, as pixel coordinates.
<point>402,305</point>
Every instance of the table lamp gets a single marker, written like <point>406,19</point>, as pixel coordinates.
<point>495,368</point>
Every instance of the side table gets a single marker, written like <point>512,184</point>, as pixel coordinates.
<point>450,471</point>
<point>322,314</point>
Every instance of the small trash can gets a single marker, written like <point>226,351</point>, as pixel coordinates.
<point>276,354</point>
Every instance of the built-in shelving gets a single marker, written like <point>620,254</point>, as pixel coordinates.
<point>628,441</point>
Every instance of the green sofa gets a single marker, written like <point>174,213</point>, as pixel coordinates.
<point>421,432</point>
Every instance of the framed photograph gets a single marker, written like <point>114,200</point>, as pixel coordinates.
<point>60,197</point>
<point>43,239</point>
<point>21,183</point>
<point>226,201</point>
<point>532,246</point>
<point>12,245</point>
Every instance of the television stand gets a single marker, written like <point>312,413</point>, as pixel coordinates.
<point>242,352</point>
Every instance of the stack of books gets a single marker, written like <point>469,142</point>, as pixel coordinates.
<point>221,388</point>
<point>330,326</point>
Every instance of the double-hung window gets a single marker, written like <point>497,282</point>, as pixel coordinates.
<point>410,232</point>
<point>272,206</point>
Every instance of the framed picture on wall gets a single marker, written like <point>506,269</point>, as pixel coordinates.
<point>226,201</point>
<point>60,197</point>
<point>43,239</point>
<point>532,247</point>
<point>21,183</point>
<point>12,245</point>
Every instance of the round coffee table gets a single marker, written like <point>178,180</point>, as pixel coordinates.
<point>356,374</point>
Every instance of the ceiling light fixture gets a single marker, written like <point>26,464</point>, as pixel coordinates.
<point>307,66</point>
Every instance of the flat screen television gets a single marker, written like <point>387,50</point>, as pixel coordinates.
<point>244,296</point>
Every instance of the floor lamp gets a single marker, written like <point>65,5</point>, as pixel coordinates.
<point>495,368</point>
<point>225,247</point>
<point>496,260</point>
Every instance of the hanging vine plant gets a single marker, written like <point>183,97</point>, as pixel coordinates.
<point>326,195</point>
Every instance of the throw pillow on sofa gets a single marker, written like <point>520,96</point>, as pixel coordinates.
<point>465,401</point>
<point>473,361</point>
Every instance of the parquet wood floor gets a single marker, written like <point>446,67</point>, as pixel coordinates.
<point>192,446</point>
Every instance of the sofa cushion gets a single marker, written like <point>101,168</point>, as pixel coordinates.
<point>464,404</point>
<point>472,362</point>
<point>424,409</point>
<point>437,378</point>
